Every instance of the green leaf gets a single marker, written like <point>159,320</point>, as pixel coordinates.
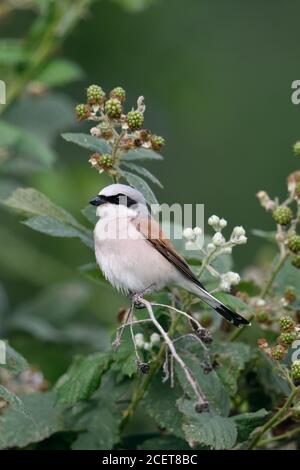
<point>12,52</point>
<point>210,384</point>
<point>23,148</point>
<point>102,418</point>
<point>144,172</point>
<point>138,183</point>
<point>56,228</point>
<point>95,144</point>
<point>92,272</point>
<point>140,154</point>
<point>82,378</point>
<point>248,422</point>
<point>206,429</point>
<point>235,303</point>
<point>15,362</point>
<point>124,360</point>
<point>41,419</point>
<point>160,403</point>
<point>30,202</point>
<point>10,397</point>
<point>270,236</point>
<point>164,443</point>
<point>60,72</point>
<point>89,213</point>
<point>232,359</point>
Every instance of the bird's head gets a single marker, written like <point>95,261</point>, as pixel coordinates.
<point>120,199</point>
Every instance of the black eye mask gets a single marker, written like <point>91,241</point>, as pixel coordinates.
<point>115,199</point>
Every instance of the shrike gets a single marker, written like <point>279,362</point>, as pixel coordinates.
<point>134,254</point>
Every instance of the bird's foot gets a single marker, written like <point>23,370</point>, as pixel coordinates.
<point>137,301</point>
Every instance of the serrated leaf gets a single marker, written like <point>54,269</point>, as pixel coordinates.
<point>160,403</point>
<point>124,360</point>
<point>232,359</point>
<point>210,384</point>
<point>89,213</point>
<point>23,146</point>
<point>82,378</point>
<point>60,72</point>
<point>95,144</point>
<point>56,228</point>
<point>30,202</point>
<point>41,419</point>
<point>10,397</point>
<point>138,183</point>
<point>144,172</point>
<point>206,429</point>
<point>141,154</point>
<point>247,422</point>
<point>14,361</point>
<point>164,443</point>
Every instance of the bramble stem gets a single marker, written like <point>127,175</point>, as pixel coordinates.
<point>274,420</point>
<point>274,273</point>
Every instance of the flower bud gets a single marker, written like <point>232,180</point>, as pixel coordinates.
<point>218,239</point>
<point>188,233</point>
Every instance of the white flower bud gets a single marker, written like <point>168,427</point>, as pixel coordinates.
<point>238,231</point>
<point>188,233</point>
<point>241,240</point>
<point>210,247</point>
<point>154,338</point>
<point>218,239</point>
<point>214,221</point>
<point>190,245</point>
<point>260,302</point>
<point>227,250</point>
<point>229,279</point>
<point>139,340</point>
<point>197,231</point>
<point>222,223</point>
<point>95,131</point>
<point>234,278</point>
<point>147,346</point>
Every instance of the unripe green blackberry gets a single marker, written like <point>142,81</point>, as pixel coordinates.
<point>106,161</point>
<point>294,243</point>
<point>295,370</point>
<point>262,316</point>
<point>106,130</point>
<point>157,142</point>
<point>283,215</point>
<point>290,295</point>
<point>286,323</point>
<point>278,352</point>
<point>296,149</point>
<point>95,94</point>
<point>118,93</point>
<point>286,339</point>
<point>82,111</point>
<point>113,108</point>
<point>135,119</point>
<point>295,260</point>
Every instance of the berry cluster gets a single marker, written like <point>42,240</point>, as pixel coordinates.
<point>108,113</point>
<point>288,334</point>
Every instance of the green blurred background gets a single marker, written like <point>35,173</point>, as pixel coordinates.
<point>216,77</point>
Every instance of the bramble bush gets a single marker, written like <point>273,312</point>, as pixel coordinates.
<point>248,375</point>
<point>105,397</point>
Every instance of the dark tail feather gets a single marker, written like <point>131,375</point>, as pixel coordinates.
<point>230,316</point>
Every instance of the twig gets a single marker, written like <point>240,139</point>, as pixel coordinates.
<point>201,400</point>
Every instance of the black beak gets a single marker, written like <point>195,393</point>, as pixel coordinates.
<point>98,200</point>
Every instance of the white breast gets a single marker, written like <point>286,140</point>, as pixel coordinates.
<point>127,260</point>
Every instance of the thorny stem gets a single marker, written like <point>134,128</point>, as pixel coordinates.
<point>146,381</point>
<point>274,420</point>
<point>193,383</point>
<point>281,437</point>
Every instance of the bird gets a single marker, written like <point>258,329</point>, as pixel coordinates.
<point>135,255</point>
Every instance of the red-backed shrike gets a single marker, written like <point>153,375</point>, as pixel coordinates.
<point>134,254</point>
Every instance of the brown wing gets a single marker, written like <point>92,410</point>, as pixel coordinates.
<point>153,233</point>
